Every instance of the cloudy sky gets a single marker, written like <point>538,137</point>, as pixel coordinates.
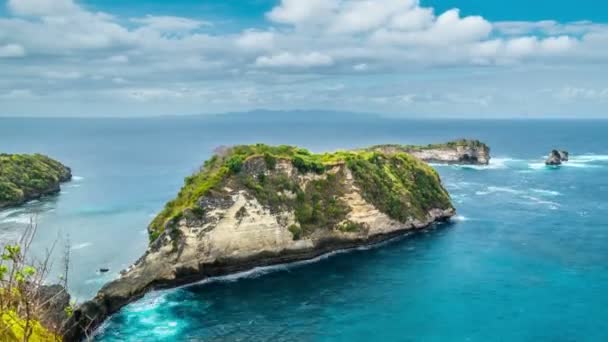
<point>406,58</point>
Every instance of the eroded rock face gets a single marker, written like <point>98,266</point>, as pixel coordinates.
<point>236,228</point>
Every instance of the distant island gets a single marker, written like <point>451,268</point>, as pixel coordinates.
<point>256,205</point>
<point>25,177</point>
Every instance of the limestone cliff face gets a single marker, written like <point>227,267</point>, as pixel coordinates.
<point>454,152</point>
<point>274,207</point>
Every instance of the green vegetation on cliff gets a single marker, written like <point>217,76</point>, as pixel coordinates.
<point>398,184</point>
<point>24,177</point>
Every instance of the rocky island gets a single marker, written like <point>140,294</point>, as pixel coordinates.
<point>260,205</point>
<point>26,177</point>
<point>463,151</point>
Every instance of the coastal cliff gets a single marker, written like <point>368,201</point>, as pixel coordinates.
<point>259,205</point>
<point>461,151</point>
<point>26,177</point>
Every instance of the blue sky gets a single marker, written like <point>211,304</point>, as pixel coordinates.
<point>405,58</point>
<point>252,11</point>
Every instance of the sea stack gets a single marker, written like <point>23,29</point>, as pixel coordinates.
<point>556,158</point>
<point>259,205</point>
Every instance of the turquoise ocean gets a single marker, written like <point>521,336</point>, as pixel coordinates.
<point>525,259</point>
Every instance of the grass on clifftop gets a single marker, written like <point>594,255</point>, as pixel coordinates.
<point>23,175</point>
<point>399,185</point>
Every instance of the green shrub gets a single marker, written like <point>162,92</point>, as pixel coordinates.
<point>296,231</point>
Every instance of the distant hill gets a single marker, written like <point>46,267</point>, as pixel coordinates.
<point>297,116</point>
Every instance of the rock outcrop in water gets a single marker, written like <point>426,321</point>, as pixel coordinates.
<point>26,177</point>
<point>463,151</point>
<point>556,157</point>
<point>259,205</point>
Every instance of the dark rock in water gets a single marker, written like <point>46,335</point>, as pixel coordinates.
<point>557,157</point>
<point>104,270</point>
<point>554,158</point>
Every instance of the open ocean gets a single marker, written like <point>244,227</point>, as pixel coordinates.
<point>526,259</point>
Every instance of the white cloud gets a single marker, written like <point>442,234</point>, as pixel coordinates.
<point>557,45</point>
<point>42,7</point>
<point>256,40</point>
<point>288,59</point>
<point>66,49</point>
<point>361,16</point>
<point>11,50</point>
<point>297,12</point>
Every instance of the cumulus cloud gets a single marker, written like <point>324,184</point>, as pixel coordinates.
<point>297,12</point>
<point>52,46</point>
<point>256,40</point>
<point>42,7</point>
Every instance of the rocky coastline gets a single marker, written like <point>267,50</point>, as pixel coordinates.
<point>26,177</point>
<point>259,205</point>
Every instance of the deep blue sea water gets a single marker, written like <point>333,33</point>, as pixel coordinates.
<point>525,260</point>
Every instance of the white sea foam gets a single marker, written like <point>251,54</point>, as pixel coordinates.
<point>495,164</point>
<point>579,161</point>
<point>588,158</point>
<point>546,192</point>
<point>537,165</point>
<point>9,212</point>
<point>20,219</point>
<point>81,246</point>
<point>460,218</point>
<point>494,189</point>
<point>536,200</point>
<point>77,178</point>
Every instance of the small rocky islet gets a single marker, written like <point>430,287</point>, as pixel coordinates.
<point>26,177</point>
<point>258,205</point>
<point>557,157</point>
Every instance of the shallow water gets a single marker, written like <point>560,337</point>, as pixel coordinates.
<point>525,259</point>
